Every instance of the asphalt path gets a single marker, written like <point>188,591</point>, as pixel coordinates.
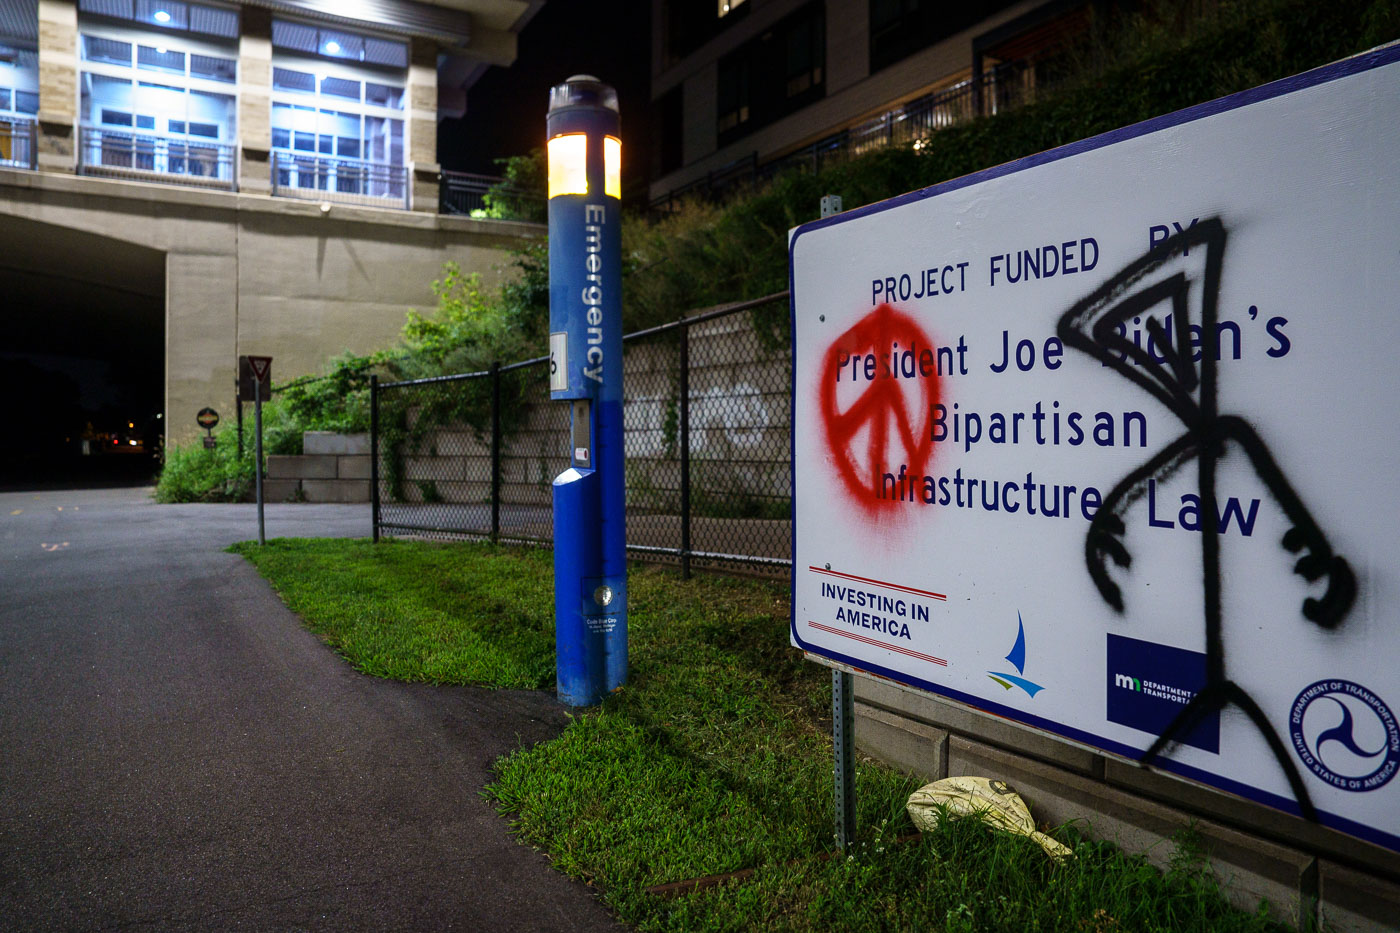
<point>178,752</point>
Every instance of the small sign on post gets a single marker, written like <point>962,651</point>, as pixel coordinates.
<point>208,419</point>
<point>255,380</point>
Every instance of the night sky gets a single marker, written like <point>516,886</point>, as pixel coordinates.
<point>610,39</point>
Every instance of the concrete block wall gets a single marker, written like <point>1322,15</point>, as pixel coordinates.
<point>1305,872</point>
<point>331,468</point>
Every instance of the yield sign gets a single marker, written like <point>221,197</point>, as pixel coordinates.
<point>254,369</point>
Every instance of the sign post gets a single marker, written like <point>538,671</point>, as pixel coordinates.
<point>208,419</point>
<point>1090,441</point>
<point>585,370</point>
<point>255,377</point>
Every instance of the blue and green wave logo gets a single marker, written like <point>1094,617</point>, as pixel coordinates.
<point>1017,657</point>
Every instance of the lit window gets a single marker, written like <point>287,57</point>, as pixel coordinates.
<point>169,14</point>
<point>568,164</point>
<point>285,79</point>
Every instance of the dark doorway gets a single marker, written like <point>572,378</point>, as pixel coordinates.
<point>82,360</point>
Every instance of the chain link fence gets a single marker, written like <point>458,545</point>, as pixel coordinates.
<point>706,414</point>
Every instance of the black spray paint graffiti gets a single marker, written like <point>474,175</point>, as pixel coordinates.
<point>1152,288</point>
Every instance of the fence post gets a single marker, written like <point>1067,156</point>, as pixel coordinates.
<point>374,454</point>
<point>685,451</point>
<point>495,452</point>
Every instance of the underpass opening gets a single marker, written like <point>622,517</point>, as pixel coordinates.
<point>82,364</point>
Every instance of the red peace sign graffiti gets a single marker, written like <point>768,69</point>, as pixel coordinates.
<point>889,360</point>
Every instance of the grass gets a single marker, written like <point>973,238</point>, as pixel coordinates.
<point>419,612</point>
<point>715,758</point>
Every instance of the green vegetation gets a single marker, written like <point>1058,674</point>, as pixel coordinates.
<point>419,612</point>
<point>715,758</point>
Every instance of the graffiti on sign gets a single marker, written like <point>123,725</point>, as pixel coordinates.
<point>1154,292</point>
<point>879,389</point>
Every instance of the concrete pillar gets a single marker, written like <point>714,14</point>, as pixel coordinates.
<point>58,85</point>
<point>421,125</point>
<point>254,107</point>
<point>201,315</point>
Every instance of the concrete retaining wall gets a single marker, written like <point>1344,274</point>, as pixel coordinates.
<point>331,468</point>
<point>1302,870</point>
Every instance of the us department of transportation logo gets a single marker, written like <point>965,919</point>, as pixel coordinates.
<point>1346,734</point>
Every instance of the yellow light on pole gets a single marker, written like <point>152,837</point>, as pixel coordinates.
<point>612,167</point>
<point>568,164</point>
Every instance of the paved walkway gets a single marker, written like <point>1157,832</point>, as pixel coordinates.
<point>177,752</point>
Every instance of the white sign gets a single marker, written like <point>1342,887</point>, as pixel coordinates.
<point>558,361</point>
<point>1103,441</point>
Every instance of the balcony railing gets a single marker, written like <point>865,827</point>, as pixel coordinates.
<point>340,181</point>
<point>146,157</point>
<point>17,148</point>
<point>465,193</point>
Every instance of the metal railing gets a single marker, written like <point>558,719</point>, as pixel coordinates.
<point>17,142</point>
<point>339,181</point>
<point>465,193</point>
<point>147,157</point>
<point>706,414</point>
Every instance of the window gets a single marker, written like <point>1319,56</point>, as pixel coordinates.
<point>285,79</point>
<point>341,87</point>
<point>337,133</point>
<point>804,56</point>
<point>213,68</point>
<point>899,28</point>
<point>776,73</point>
<point>104,50</point>
<point>383,95</point>
<point>692,23</point>
<point>670,154</point>
<point>169,15</point>
<point>338,44</point>
<point>99,49</point>
<point>161,103</point>
<point>19,81</point>
<point>733,92</point>
<point>330,104</point>
<point>160,59</point>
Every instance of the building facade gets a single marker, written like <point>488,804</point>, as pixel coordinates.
<point>745,86</point>
<point>275,161</point>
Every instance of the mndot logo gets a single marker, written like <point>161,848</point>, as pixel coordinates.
<point>1346,734</point>
<point>1149,684</point>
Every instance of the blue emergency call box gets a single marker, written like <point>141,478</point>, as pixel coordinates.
<point>585,369</point>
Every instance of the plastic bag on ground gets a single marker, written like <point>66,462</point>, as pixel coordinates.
<point>992,801</point>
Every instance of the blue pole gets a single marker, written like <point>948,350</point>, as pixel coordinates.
<point>585,349</point>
